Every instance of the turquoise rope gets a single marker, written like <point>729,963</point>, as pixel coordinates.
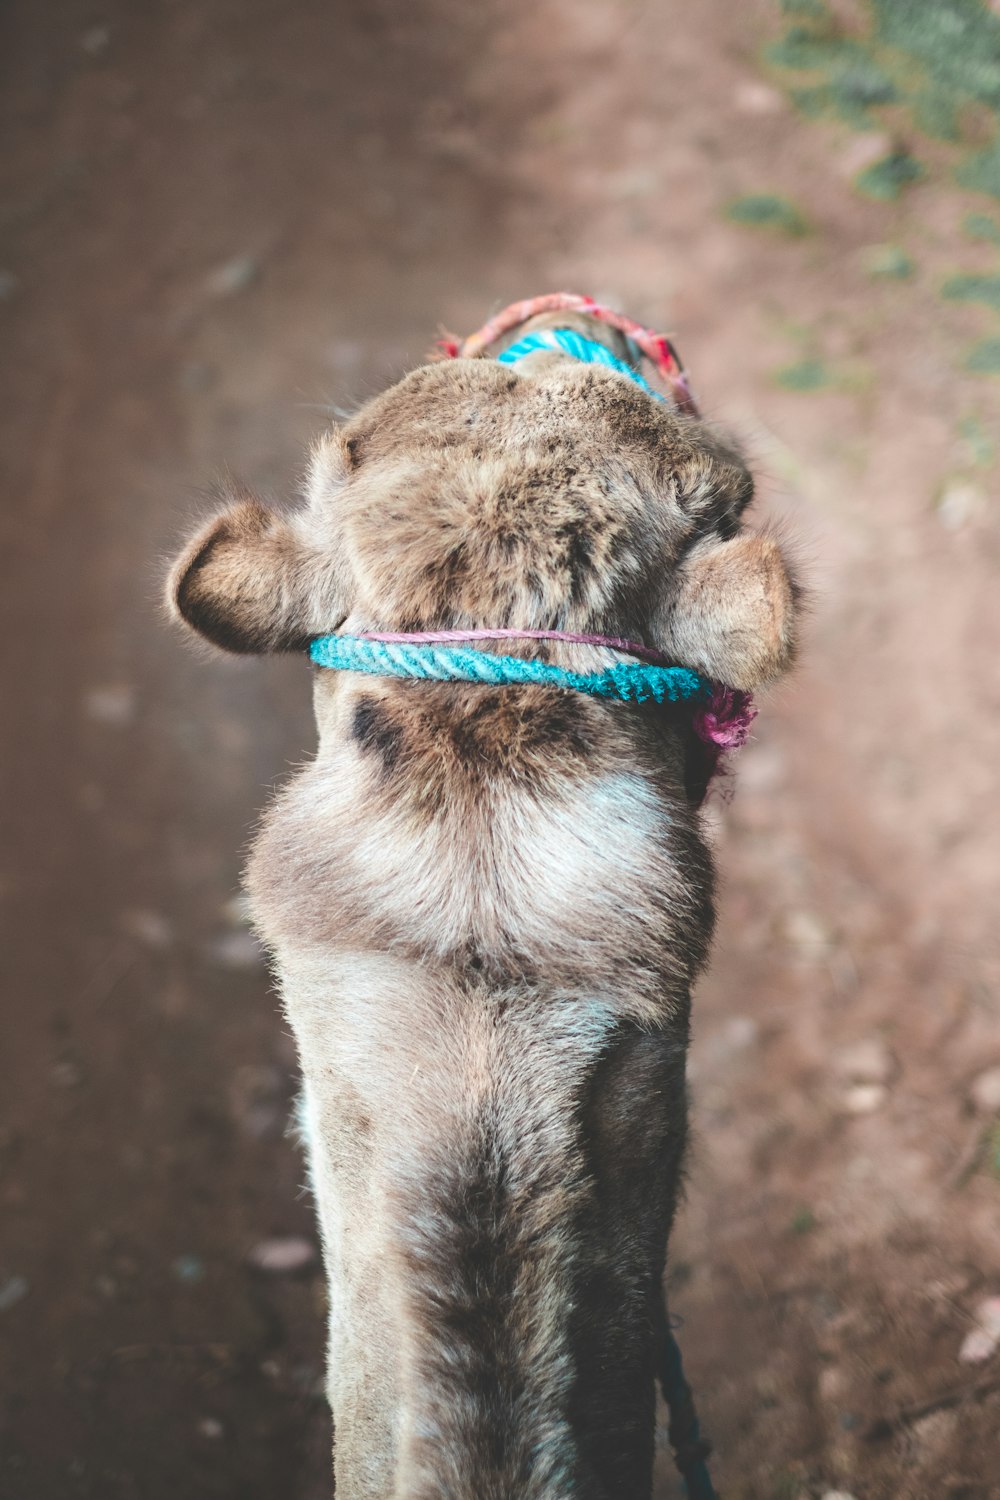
<point>568,341</point>
<point>631,681</point>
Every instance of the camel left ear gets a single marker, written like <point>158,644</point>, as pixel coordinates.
<point>251,582</point>
<point>732,612</point>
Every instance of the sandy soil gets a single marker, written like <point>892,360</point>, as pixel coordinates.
<point>221,222</point>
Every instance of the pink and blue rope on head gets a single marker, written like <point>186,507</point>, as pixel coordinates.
<point>722,715</point>
<point>656,347</point>
<point>586,351</point>
<point>631,681</point>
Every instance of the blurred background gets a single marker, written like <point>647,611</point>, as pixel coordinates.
<point>222,222</point>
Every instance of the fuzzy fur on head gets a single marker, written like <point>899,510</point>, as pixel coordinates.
<point>555,496</point>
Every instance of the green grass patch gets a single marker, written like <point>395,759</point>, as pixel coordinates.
<point>767,211</point>
<point>982,171</point>
<point>886,179</point>
<point>973,288</point>
<point>982,227</point>
<point>956,43</point>
<point>984,358</point>
<point>850,82</point>
<point>888,262</point>
<point>816,10</point>
<point>932,57</point>
<point>913,69</point>
<point>804,375</point>
<point>803,1221</point>
<point>786,1485</point>
<point>979,446</point>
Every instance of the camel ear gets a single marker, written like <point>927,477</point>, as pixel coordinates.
<point>250,582</point>
<point>731,614</point>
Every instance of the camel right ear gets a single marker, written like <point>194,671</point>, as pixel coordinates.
<point>732,611</point>
<point>250,582</point>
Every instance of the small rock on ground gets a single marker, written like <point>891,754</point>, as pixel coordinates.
<point>982,1342</point>
<point>985,1091</point>
<point>235,276</point>
<point>282,1256</point>
<point>864,151</point>
<point>960,502</point>
<point>236,950</point>
<point>111,703</point>
<point>11,1291</point>
<point>151,928</point>
<point>866,1061</point>
<point>864,1098</point>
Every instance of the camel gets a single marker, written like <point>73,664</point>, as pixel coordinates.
<point>487,901</point>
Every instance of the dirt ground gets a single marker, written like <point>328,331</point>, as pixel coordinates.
<point>221,222</point>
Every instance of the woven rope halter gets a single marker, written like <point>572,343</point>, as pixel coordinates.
<point>656,347</point>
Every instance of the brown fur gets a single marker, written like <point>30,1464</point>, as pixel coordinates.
<point>487,906</point>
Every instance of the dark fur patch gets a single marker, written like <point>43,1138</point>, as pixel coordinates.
<point>475,1251</point>
<point>480,1241</point>
<point>377,733</point>
<point>461,1260</point>
<point>525,735</point>
<point>439,744</point>
<point>635,1112</point>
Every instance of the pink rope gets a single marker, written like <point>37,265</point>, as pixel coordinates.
<point>656,346</point>
<point>406,638</point>
<point>725,719</point>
